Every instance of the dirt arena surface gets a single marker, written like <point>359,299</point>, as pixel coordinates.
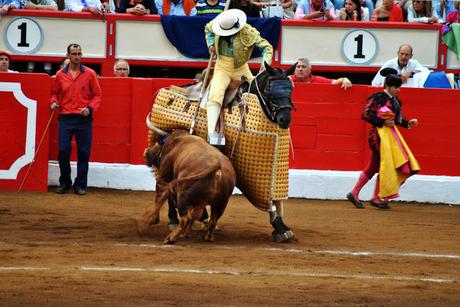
<point>69,250</point>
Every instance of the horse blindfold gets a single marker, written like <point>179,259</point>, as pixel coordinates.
<point>280,89</point>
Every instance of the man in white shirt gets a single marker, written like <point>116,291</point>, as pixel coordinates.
<point>5,61</point>
<point>404,65</point>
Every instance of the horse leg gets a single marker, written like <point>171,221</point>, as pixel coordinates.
<point>281,232</point>
<point>172,215</point>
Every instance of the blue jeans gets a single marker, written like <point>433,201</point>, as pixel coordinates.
<point>82,128</point>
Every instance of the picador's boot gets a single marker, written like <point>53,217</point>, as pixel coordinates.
<point>281,232</point>
<point>172,215</point>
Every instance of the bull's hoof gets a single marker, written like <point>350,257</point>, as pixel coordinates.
<point>208,238</point>
<point>140,227</point>
<point>169,241</point>
<point>172,225</point>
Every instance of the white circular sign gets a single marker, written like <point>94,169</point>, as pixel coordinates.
<point>359,47</point>
<point>23,35</point>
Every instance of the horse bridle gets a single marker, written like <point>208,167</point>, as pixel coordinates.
<point>270,109</point>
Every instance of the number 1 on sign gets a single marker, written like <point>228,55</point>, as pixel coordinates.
<point>359,47</point>
<point>23,28</point>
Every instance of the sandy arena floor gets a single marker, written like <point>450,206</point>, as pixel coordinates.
<point>68,250</point>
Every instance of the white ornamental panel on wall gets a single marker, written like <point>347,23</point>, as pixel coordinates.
<point>345,46</point>
<point>50,36</point>
<point>31,122</point>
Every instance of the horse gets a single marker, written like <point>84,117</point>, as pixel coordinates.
<point>267,98</point>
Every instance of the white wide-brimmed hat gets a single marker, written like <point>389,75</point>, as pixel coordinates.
<point>229,22</point>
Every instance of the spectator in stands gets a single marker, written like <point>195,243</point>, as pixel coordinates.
<point>422,11</point>
<point>49,5</point>
<point>383,109</point>
<point>94,6</point>
<point>76,94</point>
<point>315,10</point>
<point>353,11</point>
<point>246,6</point>
<point>176,7</point>
<point>210,7</point>
<point>303,74</point>
<point>405,66</point>
<point>287,7</point>
<point>121,69</point>
<point>46,5</point>
<point>454,15</point>
<point>388,11</point>
<point>6,5</point>
<point>138,7</point>
<point>5,58</point>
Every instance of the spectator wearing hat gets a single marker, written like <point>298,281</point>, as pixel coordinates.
<point>138,7</point>
<point>383,112</point>
<point>303,74</point>
<point>5,59</point>
<point>232,40</point>
<point>404,65</point>
<point>176,7</point>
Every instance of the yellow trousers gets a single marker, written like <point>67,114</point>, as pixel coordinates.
<point>224,73</point>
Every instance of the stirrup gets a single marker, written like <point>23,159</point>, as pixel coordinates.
<point>216,139</point>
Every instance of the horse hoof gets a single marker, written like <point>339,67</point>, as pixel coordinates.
<point>282,237</point>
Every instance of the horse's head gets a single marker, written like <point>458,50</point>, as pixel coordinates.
<point>274,89</point>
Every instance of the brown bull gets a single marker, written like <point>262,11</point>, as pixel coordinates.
<point>193,174</point>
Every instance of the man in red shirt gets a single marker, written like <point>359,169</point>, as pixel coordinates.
<point>76,94</point>
<point>302,73</point>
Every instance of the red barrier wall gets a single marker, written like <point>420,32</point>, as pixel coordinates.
<point>327,131</point>
<point>13,127</point>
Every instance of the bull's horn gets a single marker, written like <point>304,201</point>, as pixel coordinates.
<point>153,128</point>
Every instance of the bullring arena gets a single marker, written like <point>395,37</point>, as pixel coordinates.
<point>70,250</point>
<point>65,250</point>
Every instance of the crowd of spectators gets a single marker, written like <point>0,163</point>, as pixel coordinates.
<point>424,11</point>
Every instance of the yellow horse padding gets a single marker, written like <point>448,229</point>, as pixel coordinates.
<point>261,155</point>
<point>391,159</point>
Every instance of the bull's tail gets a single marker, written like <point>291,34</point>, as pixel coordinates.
<point>165,190</point>
<point>201,175</point>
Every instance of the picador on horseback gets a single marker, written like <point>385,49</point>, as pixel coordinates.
<point>252,129</point>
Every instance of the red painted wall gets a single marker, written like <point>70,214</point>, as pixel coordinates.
<point>13,125</point>
<point>327,131</point>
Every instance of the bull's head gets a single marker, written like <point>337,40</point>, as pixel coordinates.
<point>153,153</point>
